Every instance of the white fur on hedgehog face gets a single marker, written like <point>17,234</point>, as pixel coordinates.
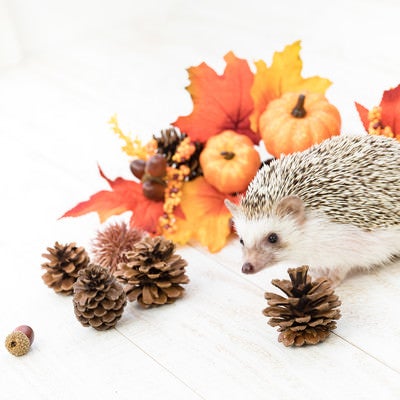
<point>268,240</point>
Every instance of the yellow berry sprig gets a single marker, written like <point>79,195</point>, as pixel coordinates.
<point>133,147</point>
<point>172,197</point>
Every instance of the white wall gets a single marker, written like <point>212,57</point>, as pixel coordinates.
<point>32,27</point>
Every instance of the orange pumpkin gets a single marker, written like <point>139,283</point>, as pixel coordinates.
<point>294,122</point>
<point>229,161</point>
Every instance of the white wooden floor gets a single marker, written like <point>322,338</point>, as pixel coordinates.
<point>214,343</point>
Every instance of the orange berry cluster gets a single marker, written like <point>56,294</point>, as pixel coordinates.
<point>172,196</point>
<point>184,151</point>
<point>375,126</point>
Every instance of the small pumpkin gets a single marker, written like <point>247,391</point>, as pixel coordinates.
<point>229,161</point>
<point>295,121</point>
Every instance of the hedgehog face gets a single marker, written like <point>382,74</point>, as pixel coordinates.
<point>267,240</point>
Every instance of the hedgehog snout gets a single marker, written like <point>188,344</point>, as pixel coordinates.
<point>248,268</point>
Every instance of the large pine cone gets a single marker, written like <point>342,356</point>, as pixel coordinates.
<point>64,263</point>
<point>99,299</point>
<point>152,273</point>
<point>307,315</point>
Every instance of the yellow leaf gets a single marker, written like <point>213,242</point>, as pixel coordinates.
<point>183,232</point>
<point>284,75</point>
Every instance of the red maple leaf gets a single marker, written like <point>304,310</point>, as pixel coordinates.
<point>220,102</point>
<point>389,111</point>
<point>363,113</point>
<point>124,196</point>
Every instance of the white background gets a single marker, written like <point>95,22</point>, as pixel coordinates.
<point>65,68</point>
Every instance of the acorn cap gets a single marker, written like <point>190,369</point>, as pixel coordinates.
<point>17,343</point>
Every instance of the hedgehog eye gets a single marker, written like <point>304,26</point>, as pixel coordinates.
<point>272,237</point>
<point>241,241</point>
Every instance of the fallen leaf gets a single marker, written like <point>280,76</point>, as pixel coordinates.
<point>284,75</point>
<point>124,196</point>
<point>206,214</point>
<point>220,102</point>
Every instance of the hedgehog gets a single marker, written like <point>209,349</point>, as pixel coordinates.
<point>334,207</point>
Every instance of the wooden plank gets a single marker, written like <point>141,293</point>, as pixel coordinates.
<point>369,308</point>
<point>218,329</point>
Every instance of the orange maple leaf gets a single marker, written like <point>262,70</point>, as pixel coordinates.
<point>124,196</point>
<point>220,102</point>
<point>386,115</point>
<point>207,218</point>
<point>284,75</point>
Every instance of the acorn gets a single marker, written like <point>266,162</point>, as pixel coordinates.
<point>137,167</point>
<point>20,340</point>
<point>153,190</point>
<point>156,166</point>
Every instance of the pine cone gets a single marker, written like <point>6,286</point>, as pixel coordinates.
<point>112,242</point>
<point>167,144</point>
<point>153,273</point>
<point>168,141</point>
<point>64,263</point>
<point>307,315</point>
<point>99,299</point>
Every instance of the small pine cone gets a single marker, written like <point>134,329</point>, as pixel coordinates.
<point>153,273</point>
<point>110,244</point>
<point>307,315</point>
<point>64,263</point>
<point>99,299</point>
<point>168,141</point>
<point>167,144</point>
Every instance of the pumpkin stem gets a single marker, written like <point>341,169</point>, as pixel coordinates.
<point>228,155</point>
<point>299,110</point>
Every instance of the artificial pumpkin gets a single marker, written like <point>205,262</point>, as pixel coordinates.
<point>295,121</point>
<point>229,161</point>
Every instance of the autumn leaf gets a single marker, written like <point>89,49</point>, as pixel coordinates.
<point>363,113</point>
<point>385,118</point>
<point>207,218</point>
<point>391,109</point>
<point>124,196</point>
<point>220,102</point>
<point>284,75</point>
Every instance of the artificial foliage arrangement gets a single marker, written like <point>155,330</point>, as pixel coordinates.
<point>309,311</point>
<point>153,273</point>
<point>98,298</point>
<point>64,261</point>
<point>182,176</point>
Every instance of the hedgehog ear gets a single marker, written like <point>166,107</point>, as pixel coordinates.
<point>293,206</point>
<point>233,208</point>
